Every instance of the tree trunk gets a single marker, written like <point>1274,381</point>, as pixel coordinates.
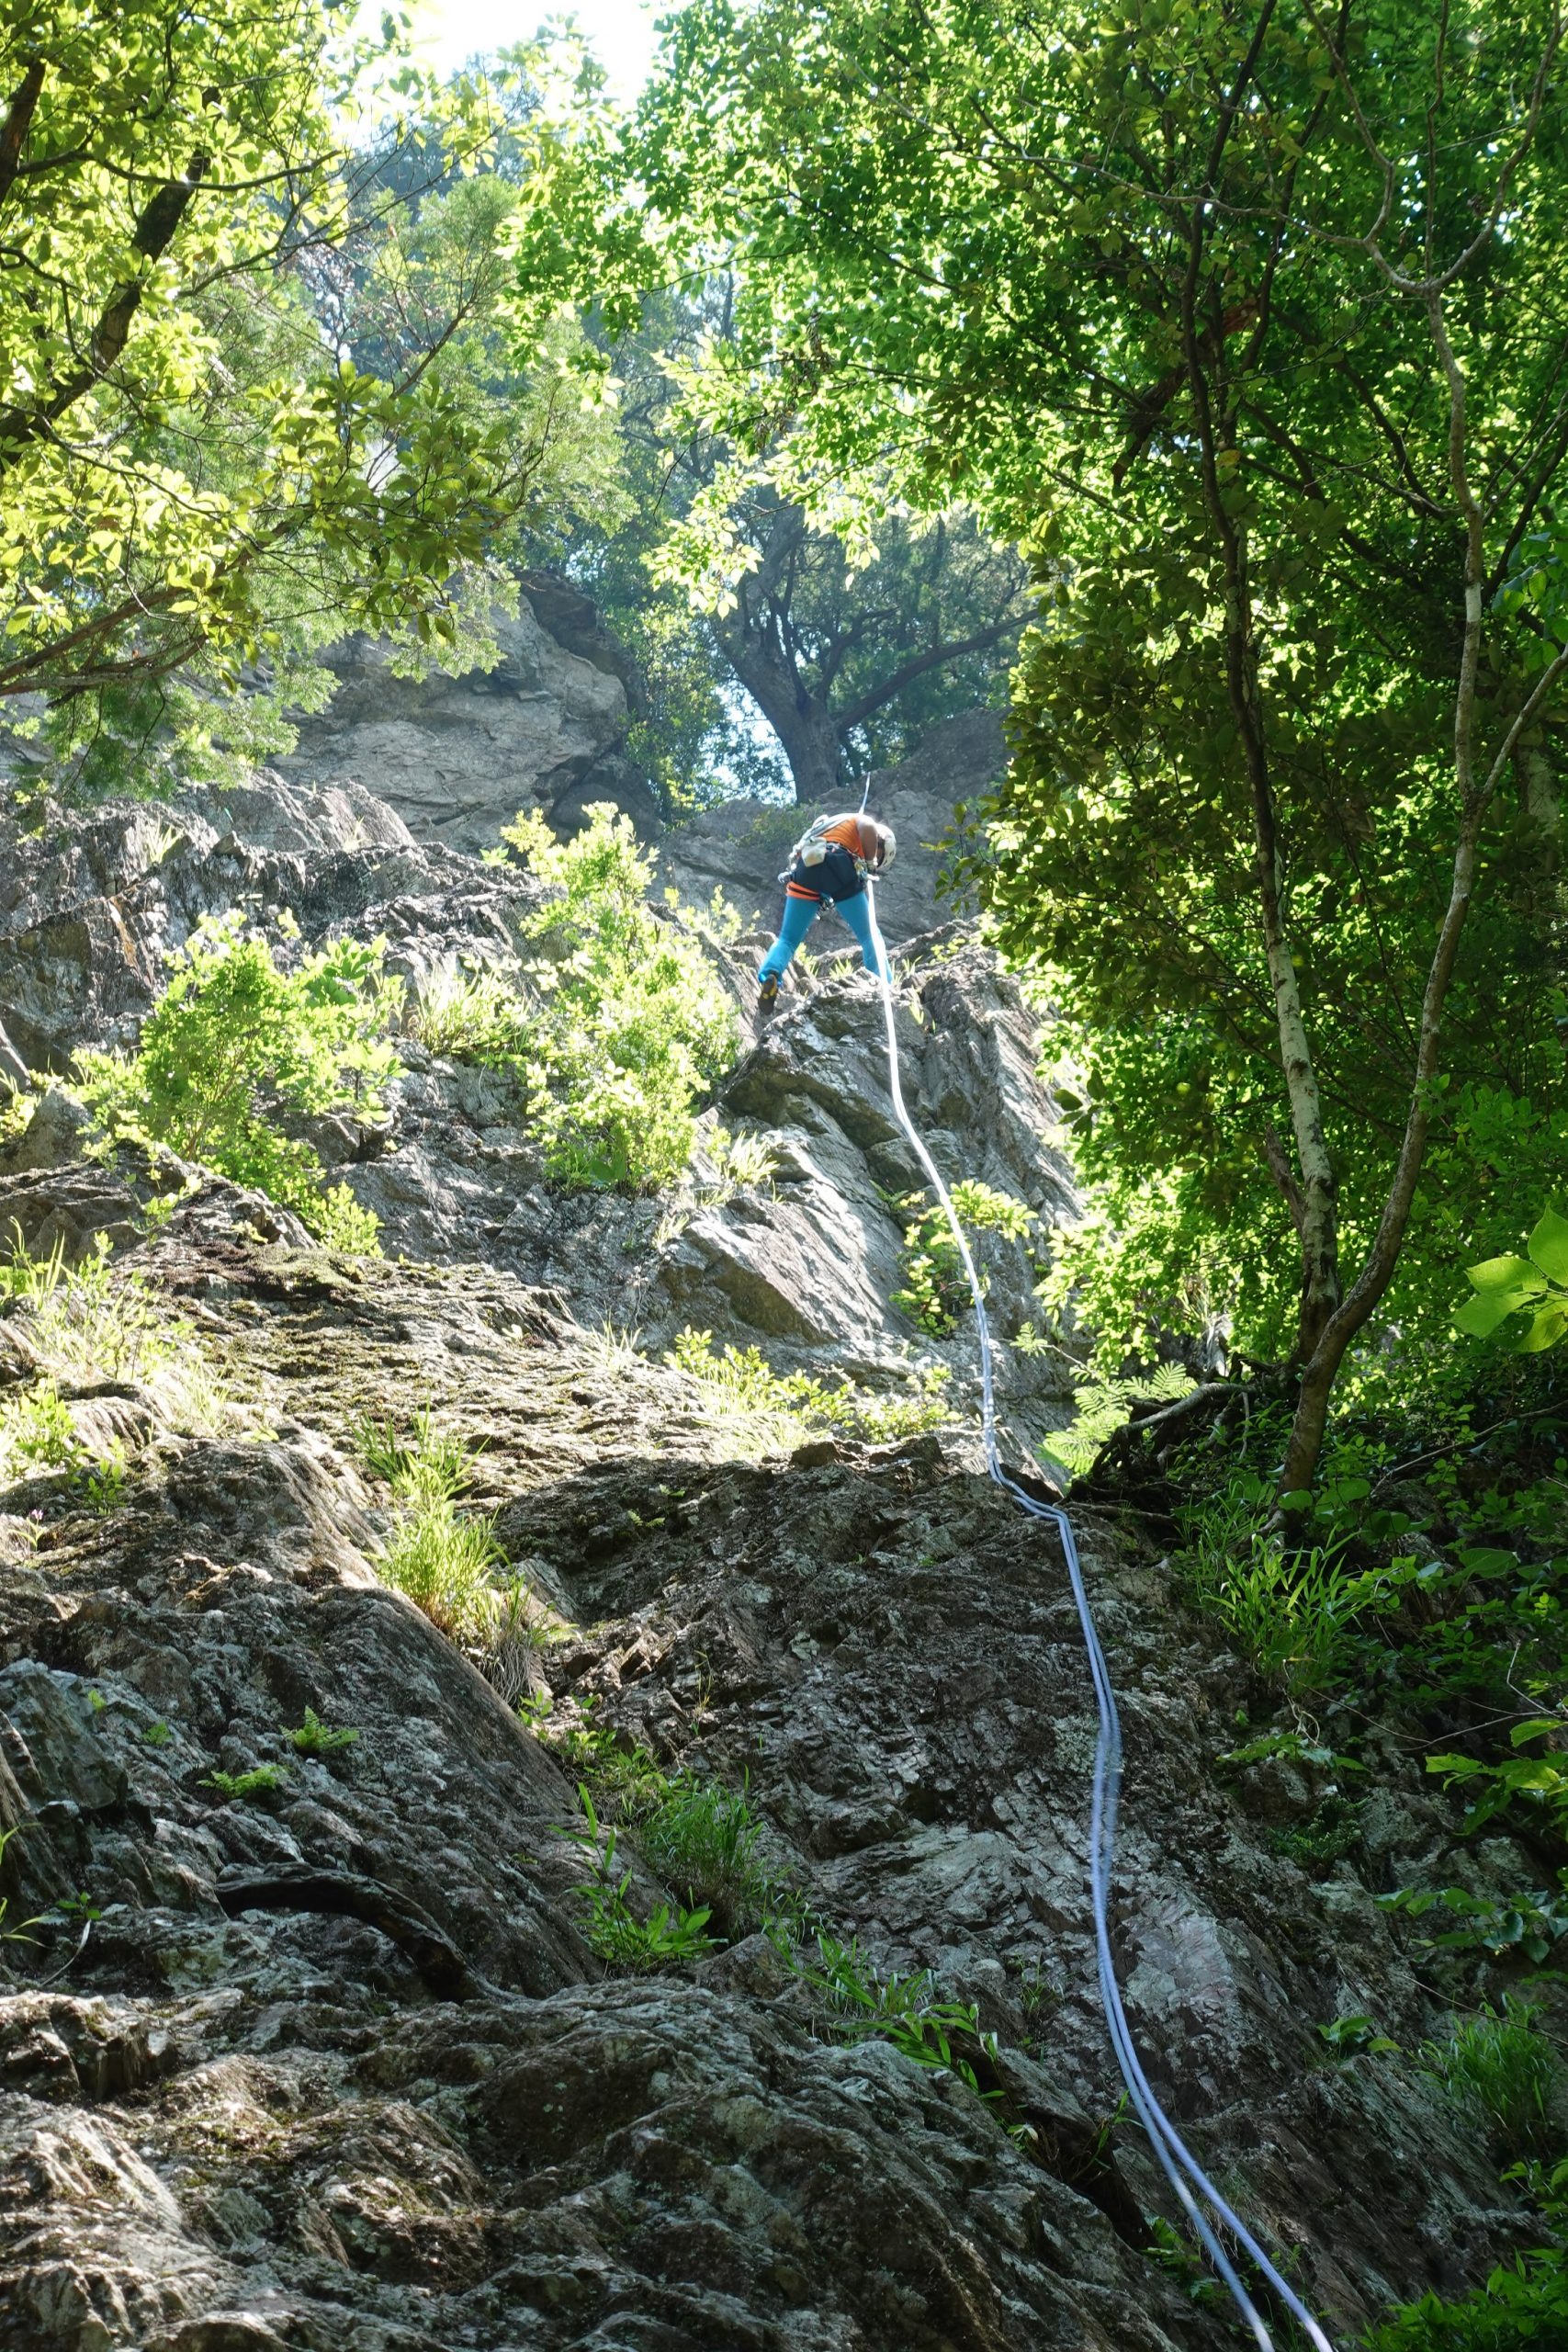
<point>804,725</point>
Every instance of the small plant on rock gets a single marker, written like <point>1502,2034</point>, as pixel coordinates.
<point>611,1928</point>
<point>907,2011</point>
<point>313,1738</point>
<point>1295,1612</point>
<point>781,1408</point>
<point>37,1433</point>
<point>1356,2037</point>
<point>741,1163</point>
<point>239,1787</point>
<point>96,1320</point>
<point>443,1558</point>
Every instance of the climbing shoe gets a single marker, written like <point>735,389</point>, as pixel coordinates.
<point>767,996</point>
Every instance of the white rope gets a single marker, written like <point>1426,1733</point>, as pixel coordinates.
<point>1202,2202</point>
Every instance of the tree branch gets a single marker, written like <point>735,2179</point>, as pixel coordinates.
<point>154,231</point>
<point>19,122</point>
<point>933,659</point>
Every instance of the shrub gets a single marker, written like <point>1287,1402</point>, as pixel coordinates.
<point>1501,2069</point>
<point>232,1031</point>
<point>629,1021</point>
<point>936,1290</point>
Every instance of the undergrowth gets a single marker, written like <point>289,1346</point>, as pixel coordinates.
<point>782,1408</point>
<point>1505,2075</point>
<point>1423,1589</point>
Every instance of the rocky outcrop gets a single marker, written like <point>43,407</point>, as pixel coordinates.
<point>738,847</point>
<point>89,903</point>
<point>803,1262</point>
<point>326,2059</point>
<point>459,757</point>
<point>333,2065</point>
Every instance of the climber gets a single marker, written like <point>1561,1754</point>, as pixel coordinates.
<point>829,862</point>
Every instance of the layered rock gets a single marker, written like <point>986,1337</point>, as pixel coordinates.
<point>459,757</point>
<point>334,2064</point>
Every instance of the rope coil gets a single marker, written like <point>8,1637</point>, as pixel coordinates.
<point>1200,2200</point>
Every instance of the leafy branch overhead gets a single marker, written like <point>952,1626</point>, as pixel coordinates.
<point>1247,325</point>
<point>204,219</point>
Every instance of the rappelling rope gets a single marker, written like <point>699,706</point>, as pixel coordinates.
<point>1205,2208</point>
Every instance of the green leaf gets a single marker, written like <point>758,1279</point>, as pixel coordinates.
<point>1506,1273</point>
<point>1548,1246</point>
<point>1480,1316</point>
<point>1549,1326</point>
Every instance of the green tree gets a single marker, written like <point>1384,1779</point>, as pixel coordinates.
<point>195,476</point>
<point>847,663</point>
<point>1248,322</point>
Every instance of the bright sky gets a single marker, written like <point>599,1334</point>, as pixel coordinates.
<point>620,31</point>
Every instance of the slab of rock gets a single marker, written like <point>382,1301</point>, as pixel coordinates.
<point>459,757</point>
<point>334,2066</point>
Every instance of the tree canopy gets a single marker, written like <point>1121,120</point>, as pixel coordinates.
<point>197,480</point>
<point>1246,323</point>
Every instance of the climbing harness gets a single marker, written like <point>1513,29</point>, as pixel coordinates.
<point>1201,2200</point>
<point>870,845</point>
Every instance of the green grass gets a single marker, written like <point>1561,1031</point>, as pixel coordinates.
<point>1502,2070</point>
<point>467,1012</point>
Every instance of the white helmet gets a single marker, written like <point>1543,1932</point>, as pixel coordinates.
<point>878,846</point>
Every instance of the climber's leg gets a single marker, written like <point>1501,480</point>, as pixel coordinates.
<point>856,913</point>
<point>799,914</point>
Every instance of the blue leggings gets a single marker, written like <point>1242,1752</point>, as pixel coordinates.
<point>799,914</point>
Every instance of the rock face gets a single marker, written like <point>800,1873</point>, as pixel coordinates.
<point>327,2060</point>
<point>804,1264</point>
<point>334,2066</point>
<point>459,757</point>
<point>740,846</point>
